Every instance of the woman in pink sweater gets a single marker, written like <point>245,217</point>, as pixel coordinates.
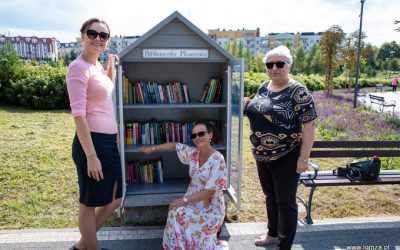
<point>395,82</point>
<point>94,148</point>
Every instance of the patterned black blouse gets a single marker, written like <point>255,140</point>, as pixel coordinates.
<point>276,120</point>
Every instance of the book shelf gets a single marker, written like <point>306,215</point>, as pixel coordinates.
<point>147,202</point>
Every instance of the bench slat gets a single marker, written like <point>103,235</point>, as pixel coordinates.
<point>328,174</point>
<point>344,181</point>
<point>349,149</point>
<point>354,153</point>
<point>357,144</point>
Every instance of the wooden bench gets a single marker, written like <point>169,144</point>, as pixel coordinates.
<point>380,87</point>
<point>379,100</point>
<point>346,149</point>
<point>361,94</point>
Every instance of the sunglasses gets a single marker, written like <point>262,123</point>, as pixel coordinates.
<point>92,34</point>
<point>200,134</point>
<point>279,65</point>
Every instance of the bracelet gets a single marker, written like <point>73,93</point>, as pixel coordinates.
<point>303,160</point>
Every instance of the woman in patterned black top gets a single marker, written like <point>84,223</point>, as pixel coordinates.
<point>281,116</point>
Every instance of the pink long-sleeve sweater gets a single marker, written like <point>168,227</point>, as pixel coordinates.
<point>90,93</point>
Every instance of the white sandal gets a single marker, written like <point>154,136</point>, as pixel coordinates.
<point>265,239</point>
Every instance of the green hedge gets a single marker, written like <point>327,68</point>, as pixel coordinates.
<point>44,87</point>
<point>313,82</point>
<point>41,87</point>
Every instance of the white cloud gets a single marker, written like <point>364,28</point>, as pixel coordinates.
<point>63,18</point>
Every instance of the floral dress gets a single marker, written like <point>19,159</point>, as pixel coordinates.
<point>195,225</point>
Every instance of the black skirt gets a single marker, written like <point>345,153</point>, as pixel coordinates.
<point>94,193</point>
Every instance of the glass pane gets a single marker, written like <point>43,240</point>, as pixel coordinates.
<point>236,129</point>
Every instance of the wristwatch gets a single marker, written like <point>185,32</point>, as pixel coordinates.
<point>185,200</point>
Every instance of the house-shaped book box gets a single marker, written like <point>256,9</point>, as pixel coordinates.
<point>169,78</point>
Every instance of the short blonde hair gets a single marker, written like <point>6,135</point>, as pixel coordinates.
<point>279,51</point>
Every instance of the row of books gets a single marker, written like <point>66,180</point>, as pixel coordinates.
<point>212,92</point>
<point>145,92</point>
<point>155,132</point>
<point>144,172</point>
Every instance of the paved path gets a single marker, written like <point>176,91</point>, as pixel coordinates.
<point>359,233</point>
<point>389,96</point>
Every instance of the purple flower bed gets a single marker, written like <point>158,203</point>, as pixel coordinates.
<point>338,120</point>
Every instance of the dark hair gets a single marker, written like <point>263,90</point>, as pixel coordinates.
<point>86,25</point>
<point>210,126</point>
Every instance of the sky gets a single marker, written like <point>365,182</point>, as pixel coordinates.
<point>62,19</point>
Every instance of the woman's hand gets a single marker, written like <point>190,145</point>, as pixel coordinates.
<point>94,169</point>
<point>175,203</point>
<point>302,165</point>
<point>111,58</point>
<point>111,73</point>
<point>246,101</point>
<point>148,150</point>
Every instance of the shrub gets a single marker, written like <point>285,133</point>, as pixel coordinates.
<point>43,87</point>
<point>10,72</point>
<point>252,82</point>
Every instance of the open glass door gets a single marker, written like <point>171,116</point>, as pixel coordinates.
<point>121,132</point>
<point>235,129</point>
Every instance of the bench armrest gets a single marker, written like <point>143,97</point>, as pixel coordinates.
<point>309,174</point>
<point>391,102</point>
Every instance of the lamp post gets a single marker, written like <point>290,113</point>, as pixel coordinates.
<point>358,56</point>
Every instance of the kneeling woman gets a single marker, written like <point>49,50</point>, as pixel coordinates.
<point>194,220</point>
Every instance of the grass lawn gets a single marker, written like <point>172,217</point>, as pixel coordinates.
<point>328,202</point>
<point>37,175</point>
<point>39,183</point>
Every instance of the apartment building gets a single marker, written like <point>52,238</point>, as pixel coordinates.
<point>262,44</point>
<point>32,48</point>
<point>250,38</point>
<point>308,39</point>
<point>66,48</point>
<point>118,43</point>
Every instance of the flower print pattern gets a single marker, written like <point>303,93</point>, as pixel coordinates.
<point>195,225</point>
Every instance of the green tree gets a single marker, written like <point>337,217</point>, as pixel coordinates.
<point>10,72</point>
<point>389,50</point>
<point>394,64</point>
<point>258,64</point>
<point>309,58</point>
<point>369,53</point>
<point>234,48</point>
<point>299,61</point>
<point>228,46</point>
<point>330,44</point>
<point>248,59</point>
<point>316,63</point>
<point>349,54</point>
<point>69,57</point>
<point>240,51</point>
<point>288,44</point>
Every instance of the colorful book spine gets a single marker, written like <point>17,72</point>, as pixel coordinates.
<point>129,133</point>
<point>144,172</point>
<point>186,93</point>
<point>126,92</point>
